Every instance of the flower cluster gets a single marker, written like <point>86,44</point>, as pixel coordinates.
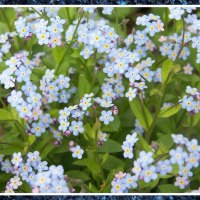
<point>99,37</point>
<point>19,69</point>
<point>187,156</point>
<point>178,12</point>
<point>148,168</point>
<point>5,42</point>
<point>105,11</point>
<point>171,45</point>
<point>33,106</point>
<point>119,68</point>
<point>128,145</point>
<point>48,32</point>
<point>191,101</point>
<point>35,173</point>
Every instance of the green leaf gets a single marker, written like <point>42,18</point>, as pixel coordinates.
<point>91,164</point>
<point>6,115</point>
<point>106,187</point>
<point>82,162</point>
<point>166,68</point>
<point>25,188</point>
<point>113,162</point>
<point>169,111</point>
<point>46,150</point>
<point>142,144</point>
<point>113,126</point>
<point>155,91</point>
<point>110,146</point>
<point>31,139</point>
<point>195,119</point>
<point>166,141</point>
<point>83,86</point>
<point>78,175</point>
<point>141,113</point>
<point>3,92</point>
<point>168,188</point>
<point>149,185</point>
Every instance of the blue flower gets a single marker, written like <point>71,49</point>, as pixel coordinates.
<point>178,156</point>
<point>149,173</point>
<point>23,74</point>
<point>145,158</point>
<point>163,167</point>
<point>77,152</point>
<point>106,117</point>
<point>76,127</point>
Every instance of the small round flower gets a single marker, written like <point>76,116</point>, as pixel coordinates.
<point>178,156</point>
<point>6,166</point>
<point>149,173</point>
<point>185,171</point>
<point>63,82</point>
<point>181,182</point>
<point>15,182</point>
<point>76,127</point>
<point>131,94</point>
<point>136,168</point>
<point>102,137</point>
<point>163,167</point>
<point>107,10</point>
<point>106,117</point>
<point>118,186</point>
<point>77,152</point>
<point>130,181</point>
<point>145,158</point>
<point>188,69</point>
<point>132,139</point>
<point>16,159</point>
<point>128,150</point>
<point>193,146</point>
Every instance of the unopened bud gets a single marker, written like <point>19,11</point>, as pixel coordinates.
<point>80,10</point>
<point>67,133</point>
<point>57,143</point>
<point>125,21</point>
<point>115,110</point>
<point>71,144</point>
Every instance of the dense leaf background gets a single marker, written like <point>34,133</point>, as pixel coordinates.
<point>92,176</point>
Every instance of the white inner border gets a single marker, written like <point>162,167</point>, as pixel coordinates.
<point>99,194</point>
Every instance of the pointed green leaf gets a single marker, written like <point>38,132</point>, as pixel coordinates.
<point>141,113</point>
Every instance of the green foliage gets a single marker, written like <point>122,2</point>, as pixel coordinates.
<point>100,162</point>
<point>141,113</point>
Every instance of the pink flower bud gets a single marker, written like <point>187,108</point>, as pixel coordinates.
<point>57,143</point>
<point>67,133</point>
<point>71,144</point>
<point>115,110</point>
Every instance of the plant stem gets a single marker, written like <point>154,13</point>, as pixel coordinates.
<point>143,111</point>
<point>40,14</point>
<point>6,19</point>
<point>68,15</point>
<point>70,45</point>
<point>3,103</point>
<point>163,89</point>
<point>117,21</point>
<point>171,107</point>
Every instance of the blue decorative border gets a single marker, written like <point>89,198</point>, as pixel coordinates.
<point>100,2</point>
<point>47,197</point>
